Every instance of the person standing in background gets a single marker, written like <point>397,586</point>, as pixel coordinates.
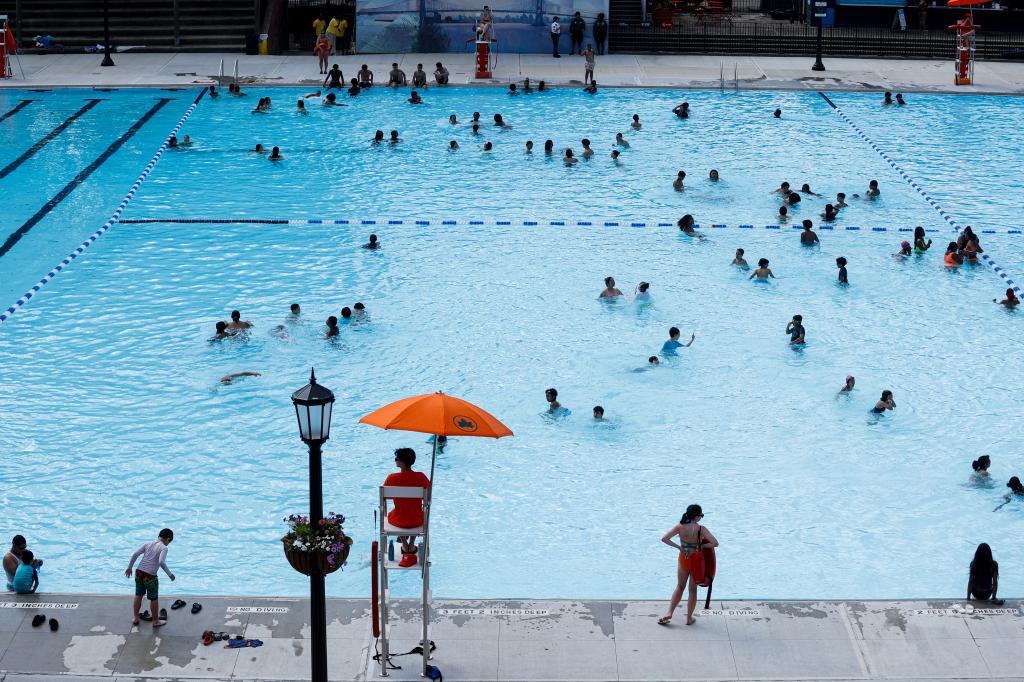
<point>322,49</point>
<point>922,17</point>
<point>319,26</point>
<point>154,557</point>
<point>334,31</point>
<point>344,37</point>
<point>556,33</point>
<point>577,29</point>
<point>600,32</point>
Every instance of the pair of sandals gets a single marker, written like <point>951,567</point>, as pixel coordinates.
<point>180,604</point>
<point>146,616</point>
<point>39,619</point>
<point>209,637</point>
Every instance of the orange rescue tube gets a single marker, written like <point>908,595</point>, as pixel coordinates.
<point>710,564</point>
<point>375,596</point>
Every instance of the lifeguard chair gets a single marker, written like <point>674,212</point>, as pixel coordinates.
<point>386,563</point>
<point>8,47</point>
<point>486,60</point>
<point>966,32</point>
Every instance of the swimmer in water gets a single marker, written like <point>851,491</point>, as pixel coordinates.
<point>359,310</point>
<point>777,113</point>
<point>739,261</point>
<point>186,141</point>
<point>526,85</point>
<point>610,291</point>
<point>981,466</point>
<point>373,243</point>
<point>310,95</point>
<point>683,110</point>
<point>670,346</point>
<point>591,87</point>
<point>850,383</point>
<point>783,189</point>
<point>237,323</point>
<point>332,101</point>
<point>713,175</point>
<point>598,413</point>
<point>259,149</point>
<point>686,226</point>
<point>841,264</point>
<point>414,98</point>
<point>841,201</point>
<point>1011,301</point>
<point>587,149</point>
<point>555,407</point>
<point>888,98</point>
<point>899,99</point>
<point>488,146</point>
<point>549,147</point>
<point>796,331</point>
<point>452,120</point>
<point>453,145</point>
<point>346,315</point>
<point>642,294</point>
<point>172,141</point>
<point>569,159</point>
<point>621,141</point>
<point>952,258</point>
<point>512,90</point>
<point>213,91</point>
<point>920,244</point>
<point>636,125</point>
<point>905,250</point>
<point>476,117</point>
<point>529,147</point>
<point>873,190</point>
<point>235,375</point>
<point>763,272</point>
<point>884,403</point>
<point>1015,486</point>
<point>476,129</point>
<point>808,237</point>
<point>300,106</point>
<point>615,156</point>
<point>793,198</point>
<point>332,327</point>
<point>783,213</point>
<point>830,213</point>
<point>378,137</point>
<point>677,184</point>
<point>541,87</point>
<point>806,189</point>
<point>294,311</point>
<point>500,122</point>
<point>222,332</point>
<point>972,248</point>
<point>275,154</point>
<point>394,137</point>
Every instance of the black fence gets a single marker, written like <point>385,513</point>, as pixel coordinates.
<point>783,38</point>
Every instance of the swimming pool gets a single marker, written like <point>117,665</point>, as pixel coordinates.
<point>115,424</point>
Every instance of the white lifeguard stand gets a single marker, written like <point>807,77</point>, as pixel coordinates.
<point>388,533</point>
<point>8,47</point>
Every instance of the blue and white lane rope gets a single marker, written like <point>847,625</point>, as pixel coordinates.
<point>920,190</point>
<point>27,296</point>
<point>515,223</point>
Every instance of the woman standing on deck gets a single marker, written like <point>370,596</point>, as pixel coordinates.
<point>692,538</point>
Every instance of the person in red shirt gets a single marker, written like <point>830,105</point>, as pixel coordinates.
<point>408,512</point>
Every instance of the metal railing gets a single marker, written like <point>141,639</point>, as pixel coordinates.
<point>688,36</point>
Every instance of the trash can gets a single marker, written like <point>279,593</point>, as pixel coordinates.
<point>252,43</point>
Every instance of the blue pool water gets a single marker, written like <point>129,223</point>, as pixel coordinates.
<point>115,424</point>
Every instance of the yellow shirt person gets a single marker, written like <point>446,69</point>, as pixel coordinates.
<point>319,26</point>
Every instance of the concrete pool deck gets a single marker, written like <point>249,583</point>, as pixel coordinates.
<point>520,640</point>
<point>685,71</point>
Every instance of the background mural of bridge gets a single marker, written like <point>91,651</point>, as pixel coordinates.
<point>448,25</point>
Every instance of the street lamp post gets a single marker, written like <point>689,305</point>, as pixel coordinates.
<point>107,61</point>
<point>313,404</point>
<point>819,8</point>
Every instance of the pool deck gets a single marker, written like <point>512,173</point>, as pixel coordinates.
<point>521,640</point>
<point>689,71</point>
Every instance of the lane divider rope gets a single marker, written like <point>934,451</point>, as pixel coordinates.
<point>516,223</point>
<point>920,190</point>
<point>114,219</point>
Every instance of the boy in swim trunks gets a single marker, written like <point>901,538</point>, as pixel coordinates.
<point>154,557</point>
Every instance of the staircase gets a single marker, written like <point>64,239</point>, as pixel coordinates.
<point>153,25</point>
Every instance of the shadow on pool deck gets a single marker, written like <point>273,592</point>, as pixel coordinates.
<point>521,640</point>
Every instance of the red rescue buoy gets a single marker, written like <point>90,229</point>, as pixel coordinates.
<point>374,559</point>
<point>710,565</point>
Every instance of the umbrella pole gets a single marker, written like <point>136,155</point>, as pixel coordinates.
<point>433,458</point>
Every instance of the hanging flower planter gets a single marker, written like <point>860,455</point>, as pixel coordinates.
<point>323,546</point>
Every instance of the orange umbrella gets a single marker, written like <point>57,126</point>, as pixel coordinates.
<point>439,414</point>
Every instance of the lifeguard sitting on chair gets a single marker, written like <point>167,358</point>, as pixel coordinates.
<point>407,512</point>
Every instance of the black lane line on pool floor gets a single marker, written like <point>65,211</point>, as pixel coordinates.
<point>21,105</point>
<point>825,97</point>
<point>82,176</point>
<point>47,139</point>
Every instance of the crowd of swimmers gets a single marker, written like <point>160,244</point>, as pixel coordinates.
<point>237,327</point>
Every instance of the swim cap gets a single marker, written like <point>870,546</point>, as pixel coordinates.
<point>848,377</point>
<point>905,244</point>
